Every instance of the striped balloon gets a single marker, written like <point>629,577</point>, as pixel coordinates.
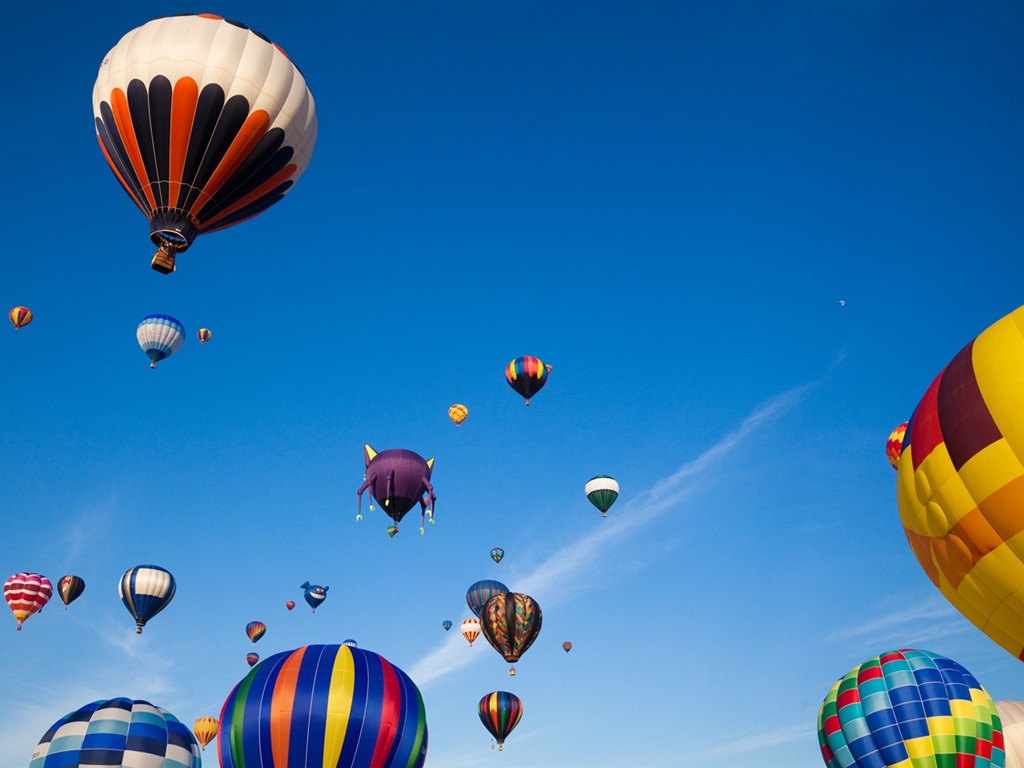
<point>251,658</point>
<point>206,730</point>
<point>27,593</point>
<point>146,590</point>
<point>324,706</point>
<point>204,122</point>
<point>20,317</point>
<point>894,445</point>
<point>471,629</point>
<point>160,336</point>
<point>482,591</point>
<point>255,630</point>
<point>527,376</point>
<point>909,707</point>
<point>500,712</point>
<point>602,491</point>
<point>204,335</point>
<point>118,732</point>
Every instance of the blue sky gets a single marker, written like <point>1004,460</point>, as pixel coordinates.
<point>667,202</point>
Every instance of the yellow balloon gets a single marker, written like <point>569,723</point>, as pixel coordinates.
<point>458,413</point>
<point>960,482</point>
<point>206,730</point>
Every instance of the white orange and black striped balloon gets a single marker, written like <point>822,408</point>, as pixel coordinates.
<point>204,122</point>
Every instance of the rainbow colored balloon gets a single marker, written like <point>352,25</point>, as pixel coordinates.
<point>500,712</point>
<point>255,630</point>
<point>324,706</point>
<point>906,709</point>
<point>894,445</point>
<point>527,376</point>
<point>960,482</point>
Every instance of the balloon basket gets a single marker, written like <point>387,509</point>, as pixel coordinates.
<point>163,262</point>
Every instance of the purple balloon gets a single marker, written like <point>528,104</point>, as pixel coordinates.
<point>398,479</point>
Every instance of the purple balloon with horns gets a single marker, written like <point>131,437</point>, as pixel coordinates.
<point>398,479</point>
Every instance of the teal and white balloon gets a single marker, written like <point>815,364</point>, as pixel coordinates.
<point>160,336</point>
<point>146,590</point>
<point>118,732</point>
<point>602,491</point>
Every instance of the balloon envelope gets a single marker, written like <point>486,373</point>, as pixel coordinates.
<point>255,630</point>
<point>118,732</point>
<point>204,335</point>
<point>500,712</point>
<point>471,629</point>
<point>20,317</point>
<point>566,646</point>
<point>497,554</point>
<point>69,588</point>
<point>251,658</point>
<point>527,376</point>
<point>326,706</point>
<point>1011,713</point>
<point>204,122</point>
<point>398,480</point>
<point>446,624</point>
<point>510,622</point>
<point>290,604</point>
<point>482,591</point>
<point>146,590</point>
<point>602,491</point>
<point>314,594</point>
<point>960,482</point>
<point>27,593</point>
<point>458,413</point>
<point>909,704</point>
<point>894,445</point>
<point>206,730</point>
<point>160,336</point>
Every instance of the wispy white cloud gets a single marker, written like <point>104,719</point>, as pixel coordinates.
<point>642,510</point>
<point>930,619</point>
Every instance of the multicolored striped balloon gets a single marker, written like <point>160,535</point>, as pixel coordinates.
<point>960,482</point>
<point>204,122</point>
<point>251,658</point>
<point>909,708</point>
<point>255,630</point>
<point>160,336</point>
<point>324,706</point>
<point>20,317</point>
<point>527,376</point>
<point>482,591</point>
<point>27,593</point>
<point>146,590</point>
<point>500,712</point>
<point>118,732</point>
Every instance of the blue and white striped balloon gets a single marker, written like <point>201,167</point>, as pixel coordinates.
<point>118,732</point>
<point>146,590</point>
<point>160,336</point>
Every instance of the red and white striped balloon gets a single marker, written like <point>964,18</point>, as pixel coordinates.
<point>26,593</point>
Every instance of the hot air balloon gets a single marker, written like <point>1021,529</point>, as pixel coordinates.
<point>329,706</point>
<point>471,629</point>
<point>22,316</point>
<point>566,646</point>
<point>146,590</point>
<point>510,622</point>
<point>251,658</point>
<point>398,480</point>
<point>118,732</point>
<point>204,335</point>
<point>602,491</point>
<point>160,336</point>
<point>894,445</point>
<point>960,482</point>
<point>458,413</point>
<point>314,594</point>
<point>500,712</point>
<point>290,604</point>
<point>1011,714</point>
<point>350,643</point>
<point>70,588</point>
<point>909,707</point>
<point>205,729</point>
<point>497,553</point>
<point>255,630</point>
<point>447,624</point>
<point>203,134</point>
<point>482,591</point>
<point>27,593</point>
<point>527,376</point>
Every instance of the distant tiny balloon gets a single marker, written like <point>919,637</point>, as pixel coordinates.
<point>566,646</point>
<point>842,303</point>
<point>290,604</point>
<point>894,445</point>
<point>350,643</point>
<point>252,658</point>
<point>255,630</point>
<point>471,629</point>
<point>446,624</point>
<point>69,588</point>
<point>497,553</point>
<point>204,335</point>
<point>206,730</point>
<point>20,317</point>
<point>458,413</point>
<point>314,594</point>
<point>27,593</point>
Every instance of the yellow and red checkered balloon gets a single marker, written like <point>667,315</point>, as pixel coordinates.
<point>960,482</point>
